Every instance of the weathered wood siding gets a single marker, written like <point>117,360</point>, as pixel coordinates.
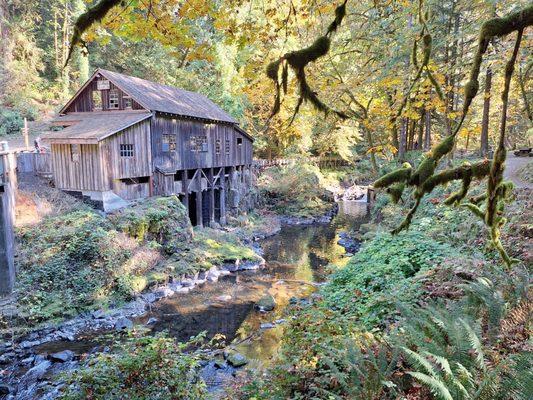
<point>84,101</point>
<point>223,137</point>
<point>140,164</point>
<point>85,174</point>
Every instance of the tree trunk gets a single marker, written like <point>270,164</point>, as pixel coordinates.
<point>420,138</point>
<point>403,140</point>
<point>427,137</point>
<point>484,146</point>
<point>83,56</point>
<point>5,47</point>
<point>370,141</point>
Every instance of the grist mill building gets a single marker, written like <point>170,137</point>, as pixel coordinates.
<point>123,138</point>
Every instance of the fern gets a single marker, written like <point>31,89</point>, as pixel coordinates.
<point>435,385</point>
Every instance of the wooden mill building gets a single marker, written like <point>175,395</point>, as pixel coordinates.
<point>123,138</point>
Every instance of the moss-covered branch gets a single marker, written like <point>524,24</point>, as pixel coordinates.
<point>298,60</point>
<point>424,179</point>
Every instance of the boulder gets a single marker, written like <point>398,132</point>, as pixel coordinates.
<point>62,356</point>
<point>266,303</point>
<point>237,360</point>
<point>123,324</point>
<point>354,192</point>
<point>267,325</point>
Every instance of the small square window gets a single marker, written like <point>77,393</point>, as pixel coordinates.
<point>113,99</point>
<point>75,152</point>
<point>199,144</point>
<point>127,102</point>
<point>239,141</point>
<point>168,142</point>
<point>126,150</point>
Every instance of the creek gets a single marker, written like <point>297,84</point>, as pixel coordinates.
<point>298,259</point>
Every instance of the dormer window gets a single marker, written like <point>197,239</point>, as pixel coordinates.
<point>113,99</point>
<point>127,102</point>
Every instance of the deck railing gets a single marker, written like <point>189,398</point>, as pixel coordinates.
<point>322,162</point>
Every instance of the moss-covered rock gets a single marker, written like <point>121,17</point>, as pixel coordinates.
<point>266,303</point>
<point>163,219</point>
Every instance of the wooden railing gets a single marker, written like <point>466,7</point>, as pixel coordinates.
<point>37,163</point>
<point>322,162</point>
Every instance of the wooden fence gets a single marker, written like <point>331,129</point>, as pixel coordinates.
<point>321,162</point>
<point>37,163</point>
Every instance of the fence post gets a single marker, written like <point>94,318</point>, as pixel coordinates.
<point>7,216</point>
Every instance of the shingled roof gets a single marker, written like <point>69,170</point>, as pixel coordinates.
<point>168,99</point>
<point>90,128</point>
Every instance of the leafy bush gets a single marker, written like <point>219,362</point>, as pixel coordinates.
<point>142,368</point>
<point>297,190</point>
<point>382,273</point>
<point>68,263</point>
<point>10,122</point>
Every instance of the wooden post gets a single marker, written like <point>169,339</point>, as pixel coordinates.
<point>185,188</point>
<point>26,133</point>
<point>223,196</point>
<point>199,219</point>
<point>211,184</point>
<point>232,185</point>
<point>7,218</point>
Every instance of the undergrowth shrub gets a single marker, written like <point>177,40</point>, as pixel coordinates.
<point>11,122</point>
<point>69,263</point>
<point>382,273</point>
<point>140,368</point>
<point>297,190</point>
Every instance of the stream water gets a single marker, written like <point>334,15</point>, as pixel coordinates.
<point>297,258</point>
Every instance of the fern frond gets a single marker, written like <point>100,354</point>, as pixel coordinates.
<point>419,362</point>
<point>436,386</point>
<point>475,342</point>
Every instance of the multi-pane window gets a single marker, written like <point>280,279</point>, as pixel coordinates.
<point>199,144</point>
<point>168,142</point>
<point>75,152</point>
<point>127,102</point>
<point>126,150</point>
<point>218,146</point>
<point>97,100</point>
<point>113,99</point>
<point>227,147</point>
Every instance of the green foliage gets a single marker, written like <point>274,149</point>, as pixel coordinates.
<point>296,190</point>
<point>163,219</point>
<point>141,368</point>
<point>68,263</point>
<point>10,122</point>
<point>381,273</point>
<point>210,247</point>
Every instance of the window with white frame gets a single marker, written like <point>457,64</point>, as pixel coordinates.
<point>199,144</point>
<point>113,99</point>
<point>126,150</point>
<point>127,102</point>
<point>168,142</point>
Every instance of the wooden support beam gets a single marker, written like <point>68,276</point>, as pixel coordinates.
<point>199,219</point>
<point>7,218</point>
<point>223,196</point>
<point>185,188</point>
<point>211,190</point>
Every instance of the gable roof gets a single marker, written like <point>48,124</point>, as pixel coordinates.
<point>162,98</point>
<point>90,128</point>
